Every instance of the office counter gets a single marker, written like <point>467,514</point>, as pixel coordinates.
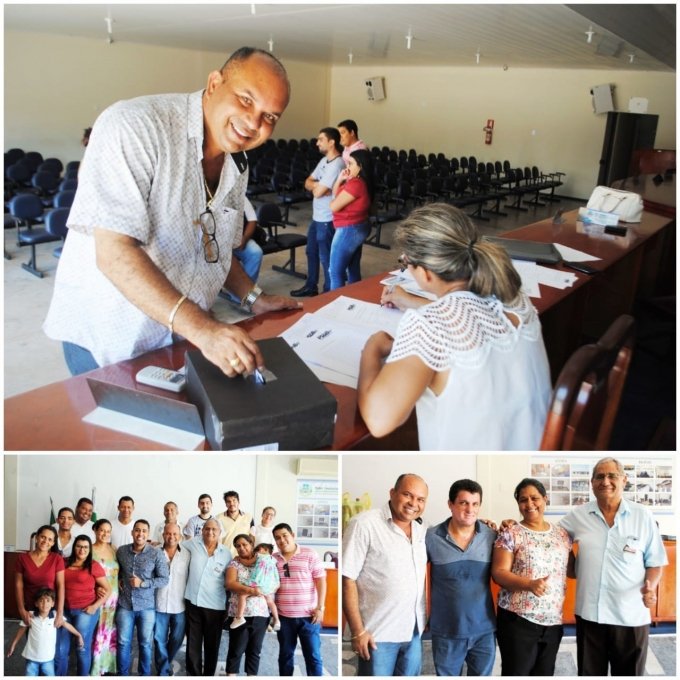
<point>50,417</point>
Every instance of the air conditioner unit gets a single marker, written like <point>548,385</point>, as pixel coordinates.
<point>375,88</point>
<point>317,467</point>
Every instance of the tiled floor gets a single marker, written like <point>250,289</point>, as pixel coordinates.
<point>33,360</point>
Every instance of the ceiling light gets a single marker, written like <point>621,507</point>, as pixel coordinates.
<point>350,56</point>
<point>631,58</point>
<point>478,54</point>
<point>252,8</point>
<point>270,42</point>
<point>409,38</point>
<point>589,35</point>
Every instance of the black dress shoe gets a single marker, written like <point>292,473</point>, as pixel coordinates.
<point>304,292</point>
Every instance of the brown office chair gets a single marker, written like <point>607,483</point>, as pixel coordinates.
<point>588,392</point>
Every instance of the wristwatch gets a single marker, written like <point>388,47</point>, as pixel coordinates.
<point>252,295</point>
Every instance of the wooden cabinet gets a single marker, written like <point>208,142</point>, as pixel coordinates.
<point>330,615</point>
<point>665,602</point>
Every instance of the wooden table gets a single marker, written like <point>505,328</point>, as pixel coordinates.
<point>50,417</point>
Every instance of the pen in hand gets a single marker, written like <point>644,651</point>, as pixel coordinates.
<point>389,292</point>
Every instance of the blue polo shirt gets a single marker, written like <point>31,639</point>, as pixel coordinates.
<point>461,604</point>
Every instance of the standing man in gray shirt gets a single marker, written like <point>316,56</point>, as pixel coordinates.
<point>383,581</point>
<point>143,569</point>
<point>321,231</point>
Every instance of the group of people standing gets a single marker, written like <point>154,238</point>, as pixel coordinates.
<point>342,187</point>
<point>213,580</point>
<point>617,568</point>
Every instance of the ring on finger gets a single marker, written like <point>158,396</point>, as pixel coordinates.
<point>234,362</point>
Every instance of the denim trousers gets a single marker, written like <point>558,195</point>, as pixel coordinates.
<point>478,652</point>
<point>250,257</point>
<point>345,262</point>
<point>394,658</point>
<point>126,620</point>
<point>39,667</point>
<point>85,624</point>
<point>318,250</point>
<point>168,635</point>
<point>309,634</point>
<point>78,359</point>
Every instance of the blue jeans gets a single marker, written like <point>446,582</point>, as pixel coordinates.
<point>318,249</point>
<point>85,624</point>
<point>125,624</point>
<point>394,658</point>
<point>39,667</point>
<point>309,633</point>
<point>78,359</point>
<point>477,652</point>
<point>345,264</point>
<point>168,635</point>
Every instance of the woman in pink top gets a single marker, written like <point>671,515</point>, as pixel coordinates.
<point>351,205</point>
<point>86,589</point>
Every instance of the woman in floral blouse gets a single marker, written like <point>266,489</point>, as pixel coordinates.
<point>530,561</point>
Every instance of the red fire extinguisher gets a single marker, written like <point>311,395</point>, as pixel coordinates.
<point>488,131</point>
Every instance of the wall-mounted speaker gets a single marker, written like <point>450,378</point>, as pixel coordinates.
<point>603,98</point>
<point>375,88</point>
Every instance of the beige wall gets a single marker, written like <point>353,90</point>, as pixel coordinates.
<point>60,85</point>
<point>444,109</point>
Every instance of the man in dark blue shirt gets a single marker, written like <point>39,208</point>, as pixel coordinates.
<point>462,619</point>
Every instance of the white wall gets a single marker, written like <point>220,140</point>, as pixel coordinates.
<point>445,108</point>
<point>60,84</point>
<point>151,480</point>
<point>498,475</point>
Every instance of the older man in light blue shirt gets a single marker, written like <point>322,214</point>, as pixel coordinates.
<point>206,598</point>
<point>620,556</point>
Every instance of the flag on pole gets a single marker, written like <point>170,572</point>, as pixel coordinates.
<point>53,519</point>
<point>94,512</point>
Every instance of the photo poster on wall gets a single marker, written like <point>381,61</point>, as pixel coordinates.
<point>567,481</point>
<point>317,511</point>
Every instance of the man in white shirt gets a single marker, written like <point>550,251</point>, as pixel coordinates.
<point>83,525</point>
<point>121,527</point>
<point>158,210</point>
<point>171,514</point>
<point>383,581</point>
<point>170,624</point>
<point>194,526</point>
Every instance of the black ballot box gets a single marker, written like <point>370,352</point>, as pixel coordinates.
<point>293,409</point>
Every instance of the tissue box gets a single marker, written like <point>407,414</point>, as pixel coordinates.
<point>295,411</point>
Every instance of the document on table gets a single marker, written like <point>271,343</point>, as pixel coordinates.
<point>573,255</point>
<point>528,272</point>
<point>330,341</point>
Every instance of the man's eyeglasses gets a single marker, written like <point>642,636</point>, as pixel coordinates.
<point>611,476</point>
<point>211,249</point>
<point>286,569</point>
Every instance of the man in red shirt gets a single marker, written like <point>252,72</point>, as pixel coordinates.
<point>300,601</point>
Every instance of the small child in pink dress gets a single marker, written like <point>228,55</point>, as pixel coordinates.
<point>265,576</point>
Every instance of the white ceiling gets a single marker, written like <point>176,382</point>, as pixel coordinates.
<point>516,35</point>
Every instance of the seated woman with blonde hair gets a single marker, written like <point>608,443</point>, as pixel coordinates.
<point>472,362</point>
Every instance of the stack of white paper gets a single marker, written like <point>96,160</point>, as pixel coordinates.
<point>330,341</point>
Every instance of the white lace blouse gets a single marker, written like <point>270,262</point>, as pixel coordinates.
<point>498,390</point>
